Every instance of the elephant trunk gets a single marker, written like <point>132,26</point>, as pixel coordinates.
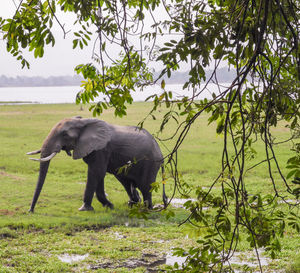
<point>39,185</point>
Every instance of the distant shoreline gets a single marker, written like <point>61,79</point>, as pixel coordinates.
<point>38,81</point>
<point>223,74</point>
<point>53,85</point>
<point>18,102</point>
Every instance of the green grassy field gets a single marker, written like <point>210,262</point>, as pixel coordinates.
<point>34,242</point>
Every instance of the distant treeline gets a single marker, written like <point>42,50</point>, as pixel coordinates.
<point>223,75</point>
<point>23,81</point>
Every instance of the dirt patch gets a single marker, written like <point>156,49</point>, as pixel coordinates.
<point>6,212</point>
<point>2,173</point>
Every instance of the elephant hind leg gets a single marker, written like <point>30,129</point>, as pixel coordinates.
<point>146,192</point>
<point>144,185</point>
<point>131,190</point>
<point>134,197</point>
<point>147,196</point>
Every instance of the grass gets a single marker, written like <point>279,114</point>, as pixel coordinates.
<point>33,242</point>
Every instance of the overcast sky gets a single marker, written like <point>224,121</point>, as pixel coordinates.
<point>59,60</point>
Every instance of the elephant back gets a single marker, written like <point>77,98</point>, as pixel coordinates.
<point>135,142</point>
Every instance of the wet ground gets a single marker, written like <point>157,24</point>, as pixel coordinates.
<point>66,258</point>
<point>151,262</point>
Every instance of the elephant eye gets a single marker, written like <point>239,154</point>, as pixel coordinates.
<point>69,134</point>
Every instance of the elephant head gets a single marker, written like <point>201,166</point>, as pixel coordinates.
<point>82,136</point>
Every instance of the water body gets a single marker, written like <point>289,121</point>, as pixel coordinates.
<point>67,94</point>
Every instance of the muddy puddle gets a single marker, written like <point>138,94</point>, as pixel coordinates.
<point>151,261</point>
<point>250,260</point>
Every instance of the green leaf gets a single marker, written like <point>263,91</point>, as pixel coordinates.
<point>291,173</point>
<point>75,43</point>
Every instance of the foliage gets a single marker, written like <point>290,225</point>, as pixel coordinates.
<point>257,38</point>
<point>294,267</point>
<point>114,83</point>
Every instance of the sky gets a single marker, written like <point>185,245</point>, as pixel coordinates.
<point>61,59</point>
<point>57,61</point>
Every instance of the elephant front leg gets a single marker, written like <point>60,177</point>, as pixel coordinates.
<point>90,189</point>
<point>100,193</point>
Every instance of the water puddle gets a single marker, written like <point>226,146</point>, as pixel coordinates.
<point>289,201</point>
<point>119,236</point>
<point>239,258</point>
<point>171,260</point>
<point>72,258</point>
<point>249,259</point>
<point>152,261</point>
<point>263,261</point>
<point>179,202</point>
<point>149,261</point>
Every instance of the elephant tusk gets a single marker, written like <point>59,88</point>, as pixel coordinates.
<point>34,159</point>
<point>44,159</point>
<point>34,152</point>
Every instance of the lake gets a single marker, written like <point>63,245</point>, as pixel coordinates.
<point>67,94</point>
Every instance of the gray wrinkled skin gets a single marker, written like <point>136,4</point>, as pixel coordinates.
<point>131,154</point>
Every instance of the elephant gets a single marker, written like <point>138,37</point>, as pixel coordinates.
<point>130,153</point>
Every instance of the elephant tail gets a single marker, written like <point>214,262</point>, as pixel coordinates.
<point>164,196</point>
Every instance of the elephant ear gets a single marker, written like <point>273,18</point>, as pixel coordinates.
<point>94,135</point>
